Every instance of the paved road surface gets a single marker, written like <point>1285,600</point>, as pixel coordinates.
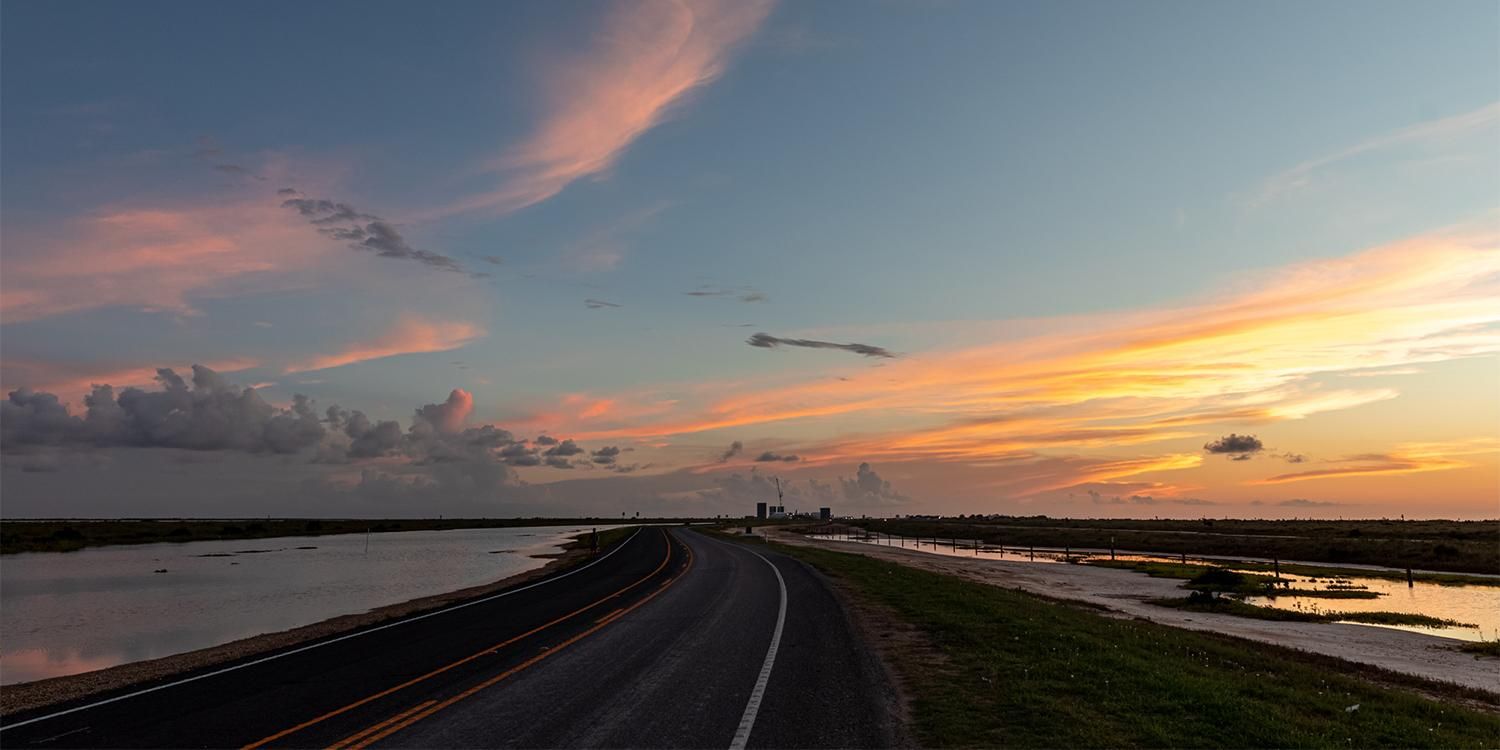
<point>666,642</point>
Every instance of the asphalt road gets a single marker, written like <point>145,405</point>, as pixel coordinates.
<point>675,639</point>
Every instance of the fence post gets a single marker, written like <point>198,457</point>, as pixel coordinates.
<point>1409,583</point>
<point>1111,548</point>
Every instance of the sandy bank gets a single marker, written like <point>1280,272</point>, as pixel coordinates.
<point>29,695</point>
<point>1126,592</point>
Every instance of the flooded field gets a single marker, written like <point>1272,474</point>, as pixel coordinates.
<point>65,613</point>
<point>1478,606</point>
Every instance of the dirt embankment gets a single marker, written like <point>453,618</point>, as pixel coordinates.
<point>1126,593</point>
<point>29,695</point>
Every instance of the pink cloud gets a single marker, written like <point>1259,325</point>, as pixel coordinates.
<point>648,57</point>
<point>410,335</point>
<point>153,258</point>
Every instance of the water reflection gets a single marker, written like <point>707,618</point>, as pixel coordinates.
<point>65,613</point>
<point>1474,605</point>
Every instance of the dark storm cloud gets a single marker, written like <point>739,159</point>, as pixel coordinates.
<point>767,341</point>
<point>364,231</point>
<point>595,304</point>
<point>1237,447</point>
<point>769,457</point>
<point>733,450</point>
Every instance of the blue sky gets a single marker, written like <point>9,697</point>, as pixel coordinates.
<point>931,178</point>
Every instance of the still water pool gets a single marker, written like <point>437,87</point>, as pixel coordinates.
<point>69,612</point>
<point>1478,607</point>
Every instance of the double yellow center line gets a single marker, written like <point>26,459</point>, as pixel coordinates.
<point>421,711</point>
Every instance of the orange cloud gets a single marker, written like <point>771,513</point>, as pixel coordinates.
<point>649,56</point>
<point>410,335</point>
<point>152,258</point>
<point>1251,355</point>
<point>1406,459</point>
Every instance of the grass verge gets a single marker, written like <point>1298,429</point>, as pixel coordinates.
<point>1017,670</point>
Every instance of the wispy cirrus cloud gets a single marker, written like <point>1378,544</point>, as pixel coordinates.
<point>1412,458</point>
<point>155,258</point>
<point>647,58</point>
<point>1481,123</point>
<point>409,335</point>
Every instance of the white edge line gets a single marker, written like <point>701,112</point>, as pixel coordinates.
<point>320,644</point>
<point>752,707</point>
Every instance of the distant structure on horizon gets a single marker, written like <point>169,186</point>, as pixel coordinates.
<point>760,511</point>
<point>825,514</point>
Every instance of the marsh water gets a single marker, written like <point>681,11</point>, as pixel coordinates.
<point>1476,606</point>
<point>68,612</point>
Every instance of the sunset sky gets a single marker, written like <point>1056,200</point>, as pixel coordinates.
<point>1077,258</point>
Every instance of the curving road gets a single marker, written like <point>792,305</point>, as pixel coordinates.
<point>672,639</point>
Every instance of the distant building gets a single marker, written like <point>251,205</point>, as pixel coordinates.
<point>760,511</point>
<point>825,514</point>
<point>778,511</point>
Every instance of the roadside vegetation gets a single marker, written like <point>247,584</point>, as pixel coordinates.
<point>1452,546</point>
<point>1214,578</point>
<point>1489,649</point>
<point>1002,668</point>
<point>70,535</point>
<point>1228,605</point>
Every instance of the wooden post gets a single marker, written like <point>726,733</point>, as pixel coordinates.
<point>1276,562</point>
<point>1033,552</point>
<point>1184,558</point>
<point>1111,548</point>
<point>1409,583</point>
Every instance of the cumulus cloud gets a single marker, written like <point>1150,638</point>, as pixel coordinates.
<point>211,414</point>
<point>867,488</point>
<point>767,341</point>
<point>564,449</point>
<point>1237,447</point>
<point>770,456</point>
<point>545,440</point>
<point>606,455</point>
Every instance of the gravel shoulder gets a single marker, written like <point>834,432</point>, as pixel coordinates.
<point>1126,593</point>
<point>29,695</point>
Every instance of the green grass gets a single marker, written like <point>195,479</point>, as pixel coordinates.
<point>1320,593</point>
<point>72,535</point>
<point>1189,570</point>
<point>1225,605</point>
<point>1479,649</point>
<point>1453,546</point>
<point>1015,670</point>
